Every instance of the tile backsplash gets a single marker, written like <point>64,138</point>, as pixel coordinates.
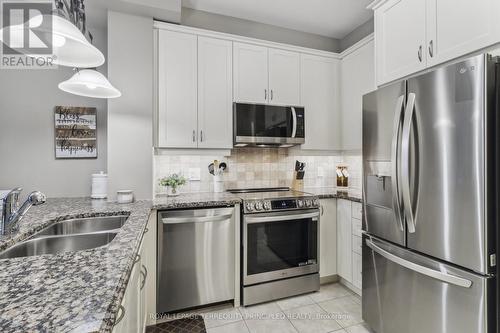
<point>257,167</point>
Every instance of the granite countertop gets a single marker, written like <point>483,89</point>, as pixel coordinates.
<point>195,200</point>
<point>73,291</point>
<point>334,192</point>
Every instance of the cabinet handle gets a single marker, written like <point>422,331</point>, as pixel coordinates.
<point>272,94</point>
<point>144,276</point>
<point>431,48</point>
<point>137,259</point>
<point>146,230</point>
<point>194,136</point>
<point>322,210</point>
<point>121,311</point>
<point>265,94</point>
<point>201,135</point>
<point>420,53</point>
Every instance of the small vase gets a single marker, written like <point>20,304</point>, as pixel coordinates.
<point>172,191</point>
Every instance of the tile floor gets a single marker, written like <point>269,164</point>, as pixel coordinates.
<point>332,309</point>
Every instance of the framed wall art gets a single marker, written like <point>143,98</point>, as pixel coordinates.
<point>75,132</point>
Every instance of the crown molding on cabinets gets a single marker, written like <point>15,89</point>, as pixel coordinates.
<point>357,46</point>
<point>375,4</point>
<point>242,39</point>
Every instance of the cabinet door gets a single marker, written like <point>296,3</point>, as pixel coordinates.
<point>344,239</point>
<point>319,95</point>
<point>400,39</point>
<point>177,90</point>
<point>150,264</point>
<point>328,238</point>
<point>356,270</point>
<point>215,93</point>
<point>142,287</point>
<point>284,77</point>
<point>357,78</point>
<point>456,28</point>
<point>130,322</point>
<point>250,73</point>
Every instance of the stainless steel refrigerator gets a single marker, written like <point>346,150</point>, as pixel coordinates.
<point>431,176</point>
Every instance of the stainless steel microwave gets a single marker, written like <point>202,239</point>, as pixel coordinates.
<point>268,125</point>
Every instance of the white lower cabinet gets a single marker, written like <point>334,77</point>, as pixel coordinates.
<point>344,239</point>
<point>133,312</point>
<point>349,253</point>
<point>328,239</point>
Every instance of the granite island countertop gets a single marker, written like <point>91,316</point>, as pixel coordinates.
<point>195,200</point>
<point>335,193</point>
<point>79,291</point>
<point>72,291</point>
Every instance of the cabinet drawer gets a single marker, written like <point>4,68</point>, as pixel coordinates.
<point>356,227</point>
<point>356,244</point>
<point>356,210</point>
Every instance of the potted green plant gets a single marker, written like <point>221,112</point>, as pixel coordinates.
<point>172,182</point>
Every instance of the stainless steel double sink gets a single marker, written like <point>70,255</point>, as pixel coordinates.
<point>69,235</point>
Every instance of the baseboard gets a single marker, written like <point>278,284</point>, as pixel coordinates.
<point>329,279</point>
<point>350,286</point>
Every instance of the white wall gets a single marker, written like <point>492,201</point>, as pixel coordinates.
<point>130,117</point>
<point>237,26</point>
<point>27,101</point>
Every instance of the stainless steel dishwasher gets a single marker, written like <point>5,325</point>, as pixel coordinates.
<point>195,263</point>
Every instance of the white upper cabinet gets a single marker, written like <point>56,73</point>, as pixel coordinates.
<point>319,96</point>
<point>400,39</point>
<point>284,77</point>
<point>412,35</point>
<point>177,89</point>
<point>215,93</point>
<point>250,73</point>
<point>357,78</point>
<point>459,27</point>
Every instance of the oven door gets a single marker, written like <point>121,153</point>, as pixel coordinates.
<point>280,245</point>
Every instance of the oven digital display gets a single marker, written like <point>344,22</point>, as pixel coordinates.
<point>284,204</point>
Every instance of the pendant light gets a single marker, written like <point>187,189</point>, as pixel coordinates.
<point>69,45</point>
<point>89,83</point>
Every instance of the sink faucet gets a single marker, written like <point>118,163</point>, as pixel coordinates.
<point>12,213</point>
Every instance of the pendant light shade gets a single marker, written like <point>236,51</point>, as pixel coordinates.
<point>89,83</point>
<point>69,45</point>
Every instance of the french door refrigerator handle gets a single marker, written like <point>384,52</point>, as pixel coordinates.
<point>396,194</point>
<point>405,162</point>
<point>444,277</point>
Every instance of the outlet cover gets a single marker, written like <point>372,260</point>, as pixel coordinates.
<point>194,174</point>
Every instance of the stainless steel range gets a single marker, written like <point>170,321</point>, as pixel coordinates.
<point>280,243</point>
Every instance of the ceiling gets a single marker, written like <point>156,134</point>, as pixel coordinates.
<point>331,18</point>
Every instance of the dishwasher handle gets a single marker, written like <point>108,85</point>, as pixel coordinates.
<point>211,216</point>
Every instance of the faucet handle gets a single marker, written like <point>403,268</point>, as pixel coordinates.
<point>12,198</point>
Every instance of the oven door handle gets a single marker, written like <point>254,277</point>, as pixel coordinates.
<point>254,219</point>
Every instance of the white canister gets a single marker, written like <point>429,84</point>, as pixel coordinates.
<point>218,184</point>
<point>99,185</point>
<point>124,196</point>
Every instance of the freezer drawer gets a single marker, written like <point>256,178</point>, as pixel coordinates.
<point>195,263</point>
<point>406,292</point>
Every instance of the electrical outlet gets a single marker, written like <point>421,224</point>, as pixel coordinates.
<point>194,174</point>
<point>321,172</point>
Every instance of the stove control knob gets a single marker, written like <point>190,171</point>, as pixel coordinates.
<point>316,203</point>
<point>308,203</point>
<point>249,206</point>
<point>259,205</point>
<point>267,205</point>
<point>300,203</point>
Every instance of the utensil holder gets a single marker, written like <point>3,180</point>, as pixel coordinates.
<point>218,184</point>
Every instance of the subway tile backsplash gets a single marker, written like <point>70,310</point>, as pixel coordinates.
<point>257,167</point>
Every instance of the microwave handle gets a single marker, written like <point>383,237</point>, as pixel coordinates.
<point>294,119</point>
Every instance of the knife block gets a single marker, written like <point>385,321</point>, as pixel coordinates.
<point>297,184</point>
